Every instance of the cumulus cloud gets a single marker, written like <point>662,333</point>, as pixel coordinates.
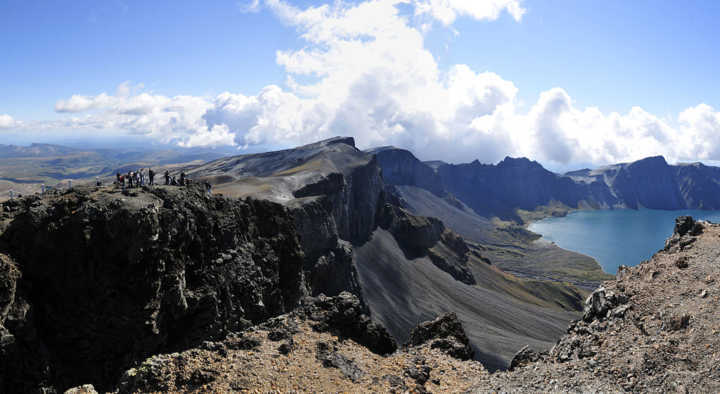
<point>446,11</point>
<point>7,122</point>
<point>365,71</point>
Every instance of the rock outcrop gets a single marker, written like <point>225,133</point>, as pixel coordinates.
<point>445,333</point>
<point>344,316</point>
<point>420,236</point>
<point>99,280</point>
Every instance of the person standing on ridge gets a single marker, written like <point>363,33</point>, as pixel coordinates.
<point>167,177</point>
<point>151,176</point>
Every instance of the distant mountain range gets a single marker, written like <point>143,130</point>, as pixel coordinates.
<point>518,183</point>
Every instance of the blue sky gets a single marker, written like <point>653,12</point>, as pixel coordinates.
<point>660,56</point>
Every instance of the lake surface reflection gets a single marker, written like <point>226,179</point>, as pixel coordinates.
<point>615,237</point>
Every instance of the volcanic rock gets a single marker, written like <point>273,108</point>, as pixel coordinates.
<point>445,333</point>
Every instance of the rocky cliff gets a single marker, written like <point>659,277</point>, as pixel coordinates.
<point>94,280</point>
<point>654,328</point>
<point>520,184</point>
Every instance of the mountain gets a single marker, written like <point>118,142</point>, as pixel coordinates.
<point>651,329</point>
<point>353,251</point>
<point>95,279</point>
<point>517,184</point>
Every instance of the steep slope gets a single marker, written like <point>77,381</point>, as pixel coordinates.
<point>402,292</point>
<point>96,280</point>
<point>333,191</point>
<point>509,246</point>
<point>699,185</point>
<point>400,167</point>
<point>319,183</point>
<point>652,329</point>
<point>518,184</point>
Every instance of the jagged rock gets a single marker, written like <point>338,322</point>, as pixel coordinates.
<point>598,304</point>
<point>217,347</point>
<point>415,234</point>
<point>280,328</point>
<point>395,382</point>
<point>84,389</point>
<point>523,357</point>
<point>685,225</point>
<point>686,229</point>
<point>108,280</point>
<point>344,316</point>
<point>148,376</point>
<point>446,333</point>
<point>330,358</point>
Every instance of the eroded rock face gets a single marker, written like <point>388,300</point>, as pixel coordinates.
<point>9,276</point>
<point>344,315</point>
<point>418,235</point>
<point>685,233</point>
<point>445,333</point>
<point>109,279</point>
<point>336,212</point>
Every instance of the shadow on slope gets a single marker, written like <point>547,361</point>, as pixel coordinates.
<point>402,293</point>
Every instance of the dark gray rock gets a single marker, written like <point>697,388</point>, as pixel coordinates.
<point>600,302</point>
<point>400,167</point>
<point>445,333</point>
<point>344,316</point>
<point>106,282</point>
<point>331,358</point>
<point>523,357</point>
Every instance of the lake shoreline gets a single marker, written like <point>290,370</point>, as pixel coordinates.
<point>613,237</point>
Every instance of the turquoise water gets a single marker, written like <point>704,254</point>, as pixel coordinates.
<point>615,237</point>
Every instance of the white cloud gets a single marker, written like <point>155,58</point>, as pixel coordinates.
<point>7,122</point>
<point>365,72</point>
<point>446,11</point>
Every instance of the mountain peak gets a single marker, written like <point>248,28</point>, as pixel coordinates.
<point>653,159</point>
<point>518,162</point>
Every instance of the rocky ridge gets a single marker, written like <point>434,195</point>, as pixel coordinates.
<point>653,329</point>
<point>521,184</point>
<point>94,280</point>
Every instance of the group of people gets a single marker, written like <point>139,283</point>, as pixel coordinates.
<point>139,178</point>
<point>171,180</point>
<point>136,178</point>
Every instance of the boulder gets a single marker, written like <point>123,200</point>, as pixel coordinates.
<point>600,302</point>
<point>344,316</point>
<point>446,333</point>
<point>523,357</point>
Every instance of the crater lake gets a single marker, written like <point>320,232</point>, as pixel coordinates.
<point>615,237</point>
